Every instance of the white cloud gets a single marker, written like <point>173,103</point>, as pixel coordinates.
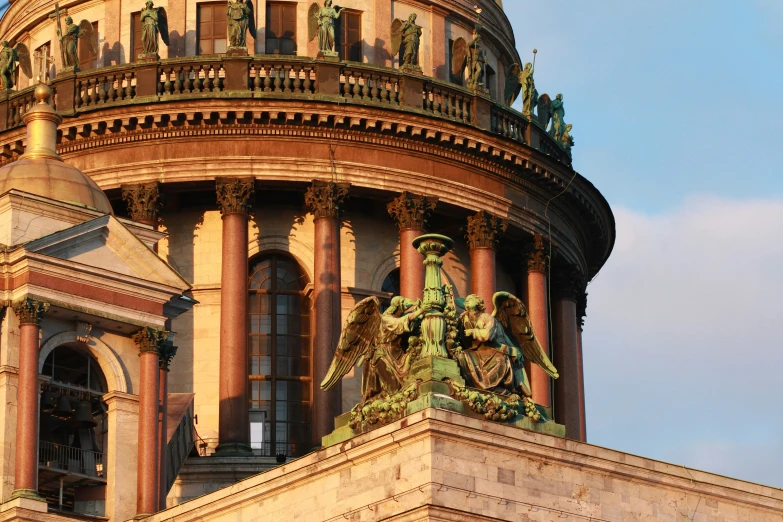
<point>683,349</point>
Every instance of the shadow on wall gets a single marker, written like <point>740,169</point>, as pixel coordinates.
<point>114,55</point>
<point>179,44</point>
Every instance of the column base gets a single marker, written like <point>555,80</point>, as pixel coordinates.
<point>29,494</point>
<point>233,449</point>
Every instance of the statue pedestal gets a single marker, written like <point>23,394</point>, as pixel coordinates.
<point>147,57</point>
<point>68,70</point>
<point>411,69</point>
<point>329,56</point>
<point>236,51</point>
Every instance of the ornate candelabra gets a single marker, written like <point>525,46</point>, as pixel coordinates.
<point>433,326</point>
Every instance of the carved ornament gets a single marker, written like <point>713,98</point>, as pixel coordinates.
<point>537,255</point>
<point>30,311</point>
<point>143,201</point>
<point>568,283</point>
<point>325,198</point>
<point>412,211</point>
<point>234,195</point>
<point>484,230</point>
<point>167,352</point>
<point>83,330</point>
<point>150,339</point>
<point>495,407</point>
<point>581,309</point>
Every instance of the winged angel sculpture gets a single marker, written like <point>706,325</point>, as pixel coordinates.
<point>154,22</point>
<point>320,23</point>
<point>490,349</point>
<point>70,38</point>
<point>10,57</point>
<point>470,56</point>
<point>406,37</point>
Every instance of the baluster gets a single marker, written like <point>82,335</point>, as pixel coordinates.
<point>94,92</point>
<point>167,87</point>
<point>383,95</point>
<point>297,80</point>
<point>208,81</point>
<point>102,89</point>
<point>366,87</point>
<point>429,94</point>
<point>307,85</point>
<point>188,79</point>
<point>267,78</point>
<point>356,90</point>
<point>277,82</point>
<point>178,80</point>
<point>286,78</point>
<point>257,82</point>
<point>112,94</point>
<point>221,78</point>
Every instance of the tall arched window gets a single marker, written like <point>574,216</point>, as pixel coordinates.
<point>280,369</point>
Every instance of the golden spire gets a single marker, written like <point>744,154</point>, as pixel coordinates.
<point>41,121</point>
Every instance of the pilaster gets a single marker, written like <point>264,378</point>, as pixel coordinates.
<point>121,454</point>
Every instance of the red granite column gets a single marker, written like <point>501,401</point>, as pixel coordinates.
<point>234,195</point>
<point>581,306</point>
<point>483,232</point>
<point>29,312</point>
<point>325,199</point>
<point>149,341</point>
<point>168,350</point>
<point>537,299</point>
<point>566,351</point>
<point>411,213</point>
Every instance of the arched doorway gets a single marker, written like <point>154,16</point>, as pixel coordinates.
<point>73,431</point>
<point>279,350</point>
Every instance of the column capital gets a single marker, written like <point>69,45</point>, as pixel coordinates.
<point>234,195</point>
<point>484,230</point>
<point>581,308</point>
<point>537,255</point>
<point>150,340</point>
<point>143,201</point>
<point>30,311</point>
<point>167,352</point>
<point>325,198</point>
<point>412,211</point>
<point>568,283</point>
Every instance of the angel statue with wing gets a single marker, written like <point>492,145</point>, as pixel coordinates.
<point>9,58</point>
<point>496,346</point>
<point>376,340</point>
<point>406,36</point>
<point>472,55</point>
<point>153,22</point>
<point>70,39</point>
<point>321,24</point>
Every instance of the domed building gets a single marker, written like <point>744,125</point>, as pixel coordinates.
<point>201,198</point>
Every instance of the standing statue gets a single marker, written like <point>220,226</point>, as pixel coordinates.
<point>10,57</point>
<point>238,19</point>
<point>557,112</point>
<point>529,92</point>
<point>376,341</point>
<point>153,22</point>
<point>512,86</point>
<point>496,346</point>
<point>321,24</point>
<point>406,36</point>
<point>471,55</point>
<point>566,140</point>
<point>544,105</point>
<point>69,39</point>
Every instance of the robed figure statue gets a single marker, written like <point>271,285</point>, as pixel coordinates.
<point>69,40</point>
<point>557,111</point>
<point>321,24</point>
<point>10,57</point>
<point>495,346</point>
<point>406,36</point>
<point>238,20</point>
<point>472,56</point>
<point>153,23</point>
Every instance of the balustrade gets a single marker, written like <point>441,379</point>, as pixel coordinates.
<point>508,124</point>
<point>282,77</point>
<point>69,459</point>
<point>447,103</point>
<point>370,86</point>
<point>191,78</point>
<point>105,88</point>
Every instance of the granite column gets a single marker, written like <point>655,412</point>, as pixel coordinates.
<point>581,311</point>
<point>411,212</point>
<point>538,308</point>
<point>566,287</point>
<point>483,233</point>
<point>30,312</point>
<point>149,342</point>
<point>168,350</point>
<point>325,200</point>
<point>234,196</point>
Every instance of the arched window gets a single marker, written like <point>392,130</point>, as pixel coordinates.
<point>280,369</point>
<point>392,282</point>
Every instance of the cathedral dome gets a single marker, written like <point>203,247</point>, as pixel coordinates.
<point>41,171</point>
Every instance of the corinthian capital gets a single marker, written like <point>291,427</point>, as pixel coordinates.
<point>568,283</point>
<point>150,339</point>
<point>325,198</point>
<point>30,311</point>
<point>537,255</point>
<point>167,353</point>
<point>412,211</point>
<point>581,308</point>
<point>234,195</point>
<point>484,230</point>
<point>143,201</point>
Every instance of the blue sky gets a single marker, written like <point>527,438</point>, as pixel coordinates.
<point>674,105</point>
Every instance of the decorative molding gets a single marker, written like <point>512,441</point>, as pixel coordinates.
<point>30,311</point>
<point>143,201</point>
<point>111,365</point>
<point>150,339</point>
<point>581,309</point>
<point>537,257</point>
<point>325,198</point>
<point>568,283</point>
<point>167,353</point>
<point>234,195</point>
<point>484,230</point>
<point>83,330</point>
<point>412,211</point>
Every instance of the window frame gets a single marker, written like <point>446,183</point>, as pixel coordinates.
<point>343,47</point>
<point>268,29</point>
<point>211,5</point>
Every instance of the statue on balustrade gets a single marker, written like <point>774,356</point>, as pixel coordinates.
<point>69,39</point>
<point>10,58</point>
<point>472,56</point>
<point>406,36</point>
<point>154,22</point>
<point>543,108</point>
<point>557,113</point>
<point>495,346</point>
<point>529,92</point>
<point>512,86</point>
<point>566,140</point>
<point>321,24</point>
<point>238,20</point>
<point>379,341</point>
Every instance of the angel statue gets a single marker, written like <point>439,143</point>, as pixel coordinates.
<point>70,39</point>
<point>557,112</point>
<point>9,58</point>
<point>406,36</point>
<point>512,86</point>
<point>238,16</point>
<point>471,55</point>
<point>496,346</point>
<point>153,22</point>
<point>376,340</point>
<point>321,24</point>
<point>566,140</point>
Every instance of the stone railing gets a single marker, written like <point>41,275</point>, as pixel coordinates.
<point>280,77</point>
